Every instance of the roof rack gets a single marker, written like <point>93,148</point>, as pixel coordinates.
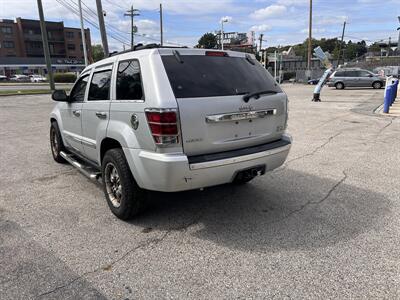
<point>143,47</point>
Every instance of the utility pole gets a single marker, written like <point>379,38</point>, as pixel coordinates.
<point>388,49</point>
<point>132,13</point>
<point>341,41</point>
<point>398,42</point>
<point>102,28</point>
<point>224,20</point>
<point>275,66</point>
<point>83,33</point>
<point>161,27</point>
<point>261,40</point>
<point>309,39</point>
<point>45,45</point>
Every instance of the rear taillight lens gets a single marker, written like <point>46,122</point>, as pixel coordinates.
<point>163,124</point>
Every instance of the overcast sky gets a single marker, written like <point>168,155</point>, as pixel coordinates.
<point>282,21</point>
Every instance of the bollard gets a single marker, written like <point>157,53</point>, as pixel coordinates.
<point>387,102</point>
<point>395,89</point>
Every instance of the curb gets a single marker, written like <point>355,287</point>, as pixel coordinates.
<point>25,94</point>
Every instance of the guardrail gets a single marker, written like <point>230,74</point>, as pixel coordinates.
<point>392,85</point>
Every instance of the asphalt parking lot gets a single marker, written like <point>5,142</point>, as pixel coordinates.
<point>324,225</point>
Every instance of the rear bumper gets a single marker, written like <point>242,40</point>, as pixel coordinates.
<point>177,172</point>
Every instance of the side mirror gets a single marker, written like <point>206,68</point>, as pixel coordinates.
<point>370,75</point>
<point>59,95</point>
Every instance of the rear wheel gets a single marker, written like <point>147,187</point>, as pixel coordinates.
<point>124,197</point>
<point>56,143</point>
<point>339,86</point>
<point>377,85</point>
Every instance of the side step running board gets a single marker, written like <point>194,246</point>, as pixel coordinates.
<point>86,170</point>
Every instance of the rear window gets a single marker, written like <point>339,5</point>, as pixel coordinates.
<point>210,76</point>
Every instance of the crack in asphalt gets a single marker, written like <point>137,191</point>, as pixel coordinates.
<point>153,241</point>
<point>327,195</point>
<point>337,184</point>
<point>318,148</point>
<point>122,257</point>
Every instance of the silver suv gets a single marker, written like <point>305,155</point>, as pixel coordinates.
<point>355,77</point>
<point>169,120</point>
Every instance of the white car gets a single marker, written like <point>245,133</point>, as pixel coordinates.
<point>20,78</point>
<point>170,120</point>
<point>37,78</point>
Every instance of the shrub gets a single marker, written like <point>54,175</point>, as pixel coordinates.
<point>64,77</point>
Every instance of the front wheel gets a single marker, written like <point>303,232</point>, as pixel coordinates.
<point>124,197</point>
<point>56,143</point>
<point>377,85</point>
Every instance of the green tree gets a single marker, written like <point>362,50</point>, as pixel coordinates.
<point>97,52</point>
<point>208,41</point>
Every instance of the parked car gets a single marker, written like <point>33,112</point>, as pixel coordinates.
<point>20,78</point>
<point>37,78</point>
<point>3,78</point>
<point>170,120</point>
<point>313,81</point>
<point>343,78</point>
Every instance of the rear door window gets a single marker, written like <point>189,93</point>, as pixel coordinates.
<point>129,81</point>
<point>363,74</point>
<point>352,74</point>
<point>100,86</point>
<point>210,76</point>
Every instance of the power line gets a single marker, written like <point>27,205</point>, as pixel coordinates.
<point>69,7</point>
<point>116,33</point>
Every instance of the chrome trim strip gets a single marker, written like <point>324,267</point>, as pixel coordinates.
<point>238,159</point>
<point>240,116</point>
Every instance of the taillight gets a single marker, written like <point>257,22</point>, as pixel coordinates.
<point>216,53</point>
<point>163,124</point>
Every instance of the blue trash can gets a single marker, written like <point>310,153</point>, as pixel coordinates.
<point>388,98</point>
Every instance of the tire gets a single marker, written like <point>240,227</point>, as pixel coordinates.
<point>339,86</point>
<point>377,85</point>
<point>56,143</point>
<point>124,197</point>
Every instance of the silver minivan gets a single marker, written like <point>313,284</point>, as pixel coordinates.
<point>355,77</point>
<point>170,120</point>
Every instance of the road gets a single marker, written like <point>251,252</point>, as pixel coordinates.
<point>324,225</point>
<point>32,86</point>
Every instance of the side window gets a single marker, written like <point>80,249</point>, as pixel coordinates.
<point>339,74</point>
<point>78,92</point>
<point>351,74</point>
<point>129,82</point>
<point>364,74</point>
<point>100,86</point>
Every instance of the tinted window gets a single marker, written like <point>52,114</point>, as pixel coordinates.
<point>208,76</point>
<point>351,73</point>
<point>100,86</point>
<point>340,74</point>
<point>78,92</point>
<point>363,74</point>
<point>129,82</point>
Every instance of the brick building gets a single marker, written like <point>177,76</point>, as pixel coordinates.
<point>21,40</point>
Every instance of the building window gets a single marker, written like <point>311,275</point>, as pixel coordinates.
<point>8,44</point>
<point>69,35</point>
<point>71,47</point>
<point>6,30</point>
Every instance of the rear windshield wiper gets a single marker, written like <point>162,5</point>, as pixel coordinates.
<point>257,95</point>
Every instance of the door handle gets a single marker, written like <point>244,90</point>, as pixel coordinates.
<point>101,114</point>
<point>76,113</point>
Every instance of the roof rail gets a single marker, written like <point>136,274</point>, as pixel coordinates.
<point>143,47</point>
